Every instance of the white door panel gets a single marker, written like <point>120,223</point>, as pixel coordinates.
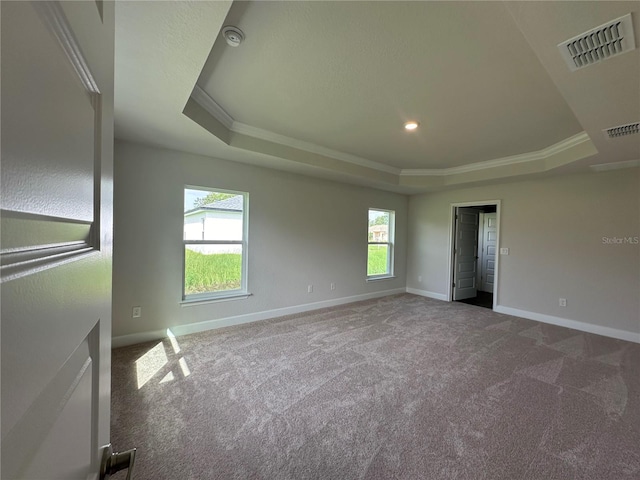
<point>465,283</point>
<point>56,201</point>
<point>466,248</point>
<point>488,267</point>
<point>70,393</point>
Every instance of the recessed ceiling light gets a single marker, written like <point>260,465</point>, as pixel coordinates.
<point>411,126</point>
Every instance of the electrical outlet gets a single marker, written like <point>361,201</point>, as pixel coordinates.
<point>310,289</point>
<point>504,251</point>
<point>562,302</point>
<point>136,312</point>
<point>333,286</point>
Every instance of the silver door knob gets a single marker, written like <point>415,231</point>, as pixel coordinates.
<point>114,462</point>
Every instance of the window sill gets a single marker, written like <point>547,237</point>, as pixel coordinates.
<point>201,301</point>
<point>385,277</point>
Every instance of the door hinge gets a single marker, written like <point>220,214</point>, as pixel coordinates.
<point>453,285</point>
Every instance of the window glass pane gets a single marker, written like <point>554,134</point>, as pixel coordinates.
<point>378,226</point>
<point>377,260</point>
<point>210,215</point>
<point>212,268</point>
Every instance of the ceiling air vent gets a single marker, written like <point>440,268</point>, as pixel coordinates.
<point>622,130</point>
<point>600,43</point>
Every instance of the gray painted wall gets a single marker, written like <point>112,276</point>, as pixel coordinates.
<point>308,231</point>
<point>554,229</point>
<point>301,231</point>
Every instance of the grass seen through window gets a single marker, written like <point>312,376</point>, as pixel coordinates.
<point>214,272</point>
<point>377,260</point>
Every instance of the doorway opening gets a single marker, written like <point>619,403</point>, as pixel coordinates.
<point>474,253</point>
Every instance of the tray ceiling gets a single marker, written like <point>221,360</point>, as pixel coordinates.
<point>324,88</point>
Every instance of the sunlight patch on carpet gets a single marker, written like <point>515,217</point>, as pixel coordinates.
<point>174,341</point>
<point>150,363</point>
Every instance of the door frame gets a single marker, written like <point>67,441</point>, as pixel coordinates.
<point>452,237</point>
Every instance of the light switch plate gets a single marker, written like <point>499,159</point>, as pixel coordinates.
<point>504,251</point>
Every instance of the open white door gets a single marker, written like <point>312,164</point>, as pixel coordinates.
<point>489,245</point>
<point>56,220</point>
<point>465,253</point>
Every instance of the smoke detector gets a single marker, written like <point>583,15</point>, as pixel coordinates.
<point>606,41</point>
<point>233,35</point>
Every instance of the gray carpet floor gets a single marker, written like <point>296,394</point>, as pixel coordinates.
<point>402,387</point>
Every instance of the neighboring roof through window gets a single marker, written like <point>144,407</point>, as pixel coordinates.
<point>233,204</point>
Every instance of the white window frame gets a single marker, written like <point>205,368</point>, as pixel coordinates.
<point>390,244</point>
<point>241,292</point>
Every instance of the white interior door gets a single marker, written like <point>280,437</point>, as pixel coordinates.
<point>490,237</point>
<point>56,221</point>
<point>465,253</point>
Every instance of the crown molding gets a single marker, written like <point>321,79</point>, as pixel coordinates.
<point>55,19</point>
<point>203,99</point>
<point>214,109</point>
<point>543,154</point>
<point>604,167</point>
<point>244,129</point>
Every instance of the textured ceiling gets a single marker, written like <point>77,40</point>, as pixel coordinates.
<point>323,88</point>
<point>348,75</point>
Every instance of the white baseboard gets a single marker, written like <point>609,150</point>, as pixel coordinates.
<point>425,293</point>
<point>574,324</point>
<point>178,330</point>
<point>132,339</point>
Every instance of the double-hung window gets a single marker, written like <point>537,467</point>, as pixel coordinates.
<point>215,243</point>
<point>381,238</point>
